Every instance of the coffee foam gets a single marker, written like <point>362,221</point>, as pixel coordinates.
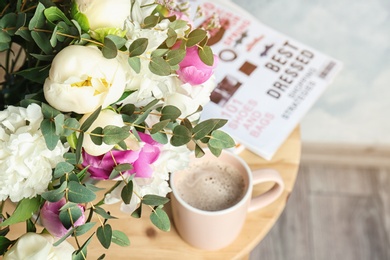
<point>211,185</point>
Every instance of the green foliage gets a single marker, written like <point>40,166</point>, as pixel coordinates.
<point>56,194</point>
<point>24,210</point>
<point>4,244</point>
<point>104,234</point>
<point>120,238</point>
<point>78,193</point>
<point>160,219</point>
<point>43,28</point>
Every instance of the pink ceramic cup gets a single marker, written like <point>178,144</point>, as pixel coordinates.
<point>213,230</point>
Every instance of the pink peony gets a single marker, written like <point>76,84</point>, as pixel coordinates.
<point>100,167</point>
<point>51,221</point>
<point>192,69</point>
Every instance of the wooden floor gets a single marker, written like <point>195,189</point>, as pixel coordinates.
<point>334,213</point>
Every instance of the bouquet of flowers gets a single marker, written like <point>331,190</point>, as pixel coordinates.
<point>108,90</point>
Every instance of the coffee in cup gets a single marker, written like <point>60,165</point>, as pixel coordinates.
<point>211,185</point>
<point>212,196</point>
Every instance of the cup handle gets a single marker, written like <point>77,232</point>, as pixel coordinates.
<point>266,175</point>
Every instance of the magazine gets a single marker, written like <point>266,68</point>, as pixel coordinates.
<point>267,81</point>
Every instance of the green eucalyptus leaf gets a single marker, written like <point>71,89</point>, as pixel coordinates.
<point>159,126</point>
<point>92,187</point>
<point>138,47</point>
<point>221,140</point>
<point>70,126</point>
<point>24,210</point>
<point>154,200</point>
<point>55,195</point>
<point>78,193</point>
<point>187,123</point>
<point>120,238</point>
<point>174,57</point>
<point>138,212</point>
<point>199,151</point>
<point>35,74</point>
<point>8,20</point>
<point>151,21</point>
<point>97,136</point>
<point>61,29</point>
<point>159,66</point>
<point>214,150</point>
<point>206,55</point>
<point>122,145</point>
<point>195,37</point>
<point>172,38</point>
<point>9,23</point>
<point>82,229</point>
<point>206,127</point>
<point>109,49</point>
<point>68,205</point>
<point>123,167</point>
<point>5,38</point>
<point>128,109</point>
<point>53,14</point>
<point>72,177</point>
<point>42,57</point>
<point>150,105</point>
<point>127,192</point>
<point>70,158</point>
<point>69,216</point>
<point>181,136</point>
<point>43,41</point>
<point>49,112</point>
<point>160,219</point>
<point>178,24</point>
<point>114,174</point>
<point>103,213</point>
<point>59,122</point>
<point>104,234</point>
<point>79,146</point>
<point>170,112</point>
<point>64,237</point>
<point>135,64</point>
<point>38,20</point>
<point>62,168</point>
<point>140,119</point>
<point>159,52</point>
<point>114,134</point>
<point>48,129</point>
<point>118,41</point>
<point>87,124</point>
<point>162,138</point>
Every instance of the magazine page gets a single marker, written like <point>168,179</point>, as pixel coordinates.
<point>267,81</point>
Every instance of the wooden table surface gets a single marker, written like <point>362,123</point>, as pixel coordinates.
<point>148,242</point>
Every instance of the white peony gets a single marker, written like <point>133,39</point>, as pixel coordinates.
<point>105,13</point>
<point>25,161</point>
<point>35,246</point>
<point>81,80</point>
